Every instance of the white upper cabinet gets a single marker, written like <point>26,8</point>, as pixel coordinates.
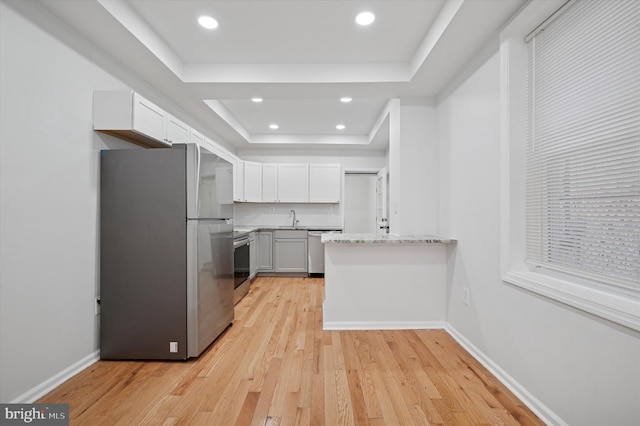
<point>176,130</point>
<point>197,137</point>
<point>219,151</point>
<point>148,119</point>
<point>269,183</point>
<point>129,116</point>
<point>293,183</point>
<point>252,181</point>
<point>325,181</point>
<point>238,180</point>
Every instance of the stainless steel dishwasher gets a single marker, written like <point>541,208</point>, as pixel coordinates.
<point>316,250</point>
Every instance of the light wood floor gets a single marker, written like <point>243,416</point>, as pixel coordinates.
<point>276,366</point>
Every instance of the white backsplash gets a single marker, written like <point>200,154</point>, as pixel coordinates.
<point>279,214</point>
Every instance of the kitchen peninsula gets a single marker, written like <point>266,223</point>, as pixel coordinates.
<point>385,281</point>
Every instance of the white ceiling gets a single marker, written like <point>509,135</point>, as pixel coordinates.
<point>300,56</point>
<point>290,32</point>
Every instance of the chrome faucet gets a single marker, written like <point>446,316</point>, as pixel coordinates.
<point>294,223</point>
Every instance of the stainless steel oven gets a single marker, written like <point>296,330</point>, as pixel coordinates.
<point>241,262</point>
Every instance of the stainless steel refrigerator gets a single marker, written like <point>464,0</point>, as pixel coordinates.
<point>166,251</point>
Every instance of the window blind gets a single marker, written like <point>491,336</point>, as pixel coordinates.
<point>583,145</point>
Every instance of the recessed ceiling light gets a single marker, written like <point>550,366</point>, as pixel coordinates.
<point>256,100</point>
<point>365,18</point>
<point>340,127</point>
<point>345,100</point>
<point>273,126</point>
<point>208,22</point>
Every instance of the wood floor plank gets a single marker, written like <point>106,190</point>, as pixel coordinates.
<point>418,416</point>
<point>261,413</point>
<point>357,397</point>
<point>386,404</point>
<point>248,409</point>
<point>290,410</point>
<point>276,365</point>
<point>358,359</point>
<point>281,392</point>
<point>232,406</point>
<point>318,401</point>
<point>295,375</point>
<point>303,417</point>
<point>330,392</point>
<point>418,387</point>
<point>306,384</point>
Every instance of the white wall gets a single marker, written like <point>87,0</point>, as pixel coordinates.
<point>49,205</point>
<point>419,163</point>
<point>413,169</point>
<point>49,197</point>
<point>582,368</point>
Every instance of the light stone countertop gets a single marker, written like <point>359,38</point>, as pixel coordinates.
<point>385,239</point>
<point>245,229</point>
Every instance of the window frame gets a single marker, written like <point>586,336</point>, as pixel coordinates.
<point>579,293</point>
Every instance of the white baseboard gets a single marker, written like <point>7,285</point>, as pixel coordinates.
<point>383,325</point>
<point>540,410</point>
<point>47,386</point>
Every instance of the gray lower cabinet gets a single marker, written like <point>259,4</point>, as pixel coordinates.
<point>253,255</point>
<point>290,248</point>
<point>265,251</point>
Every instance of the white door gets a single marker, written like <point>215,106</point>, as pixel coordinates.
<point>382,214</point>
<point>360,203</point>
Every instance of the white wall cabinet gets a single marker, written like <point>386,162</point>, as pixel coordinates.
<point>175,130</point>
<point>146,117</point>
<point>269,183</point>
<point>197,138</point>
<point>238,180</point>
<point>325,182</point>
<point>265,251</point>
<point>290,251</point>
<point>290,182</point>
<point>209,145</point>
<point>219,151</point>
<point>252,181</point>
<point>293,183</point>
<point>129,116</point>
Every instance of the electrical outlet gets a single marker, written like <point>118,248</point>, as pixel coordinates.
<point>466,295</point>
<point>173,347</point>
<point>96,306</point>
